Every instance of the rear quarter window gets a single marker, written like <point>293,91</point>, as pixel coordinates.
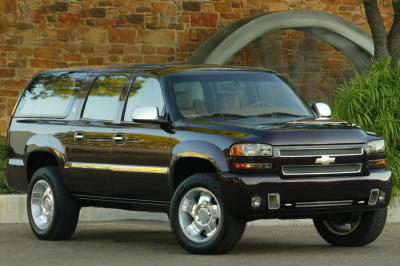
<point>102,101</point>
<point>50,95</point>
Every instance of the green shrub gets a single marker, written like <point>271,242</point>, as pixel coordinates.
<point>3,159</point>
<point>372,100</point>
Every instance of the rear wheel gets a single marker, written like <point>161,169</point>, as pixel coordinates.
<point>351,229</point>
<point>53,214</point>
<point>199,220</point>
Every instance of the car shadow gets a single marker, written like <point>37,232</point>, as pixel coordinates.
<point>159,237</point>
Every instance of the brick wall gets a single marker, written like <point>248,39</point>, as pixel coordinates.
<point>314,67</point>
<point>36,35</point>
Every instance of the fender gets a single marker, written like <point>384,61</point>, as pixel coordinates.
<point>46,143</point>
<point>49,144</point>
<point>201,150</point>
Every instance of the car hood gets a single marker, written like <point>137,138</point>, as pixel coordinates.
<point>286,131</point>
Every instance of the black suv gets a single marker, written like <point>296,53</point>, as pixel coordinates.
<point>214,147</point>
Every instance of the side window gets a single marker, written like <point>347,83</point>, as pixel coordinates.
<point>51,94</point>
<point>102,101</point>
<point>144,91</point>
<point>275,93</point>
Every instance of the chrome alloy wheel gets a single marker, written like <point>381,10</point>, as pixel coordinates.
<point>199,215</point>
<point>343,224</point>
<point>42,205</point>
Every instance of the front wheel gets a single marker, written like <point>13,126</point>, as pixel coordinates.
<point>199,220</point>
<point>351,229</point>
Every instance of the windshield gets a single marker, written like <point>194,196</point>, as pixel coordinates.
<point>235,94</point>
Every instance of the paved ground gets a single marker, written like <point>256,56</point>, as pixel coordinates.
<point>152,243</point>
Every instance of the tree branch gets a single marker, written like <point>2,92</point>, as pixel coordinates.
<point>394,35</point>
<point>378,31</point>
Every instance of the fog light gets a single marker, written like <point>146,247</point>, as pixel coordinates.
<point>382,196</point>
<point>373,196</point>
<point>256,202</point>
<point>274,201</point>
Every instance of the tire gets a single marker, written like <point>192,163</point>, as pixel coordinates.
<point>200,195</point>
<point>53,214</point>
<point>364,228</point>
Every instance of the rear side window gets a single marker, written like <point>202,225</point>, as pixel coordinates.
<point>51,94</point>
<point>144,91</point>
<point>102,101</point>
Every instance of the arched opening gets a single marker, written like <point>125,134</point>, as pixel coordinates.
<point>312,65</point>
<point>315,50</point>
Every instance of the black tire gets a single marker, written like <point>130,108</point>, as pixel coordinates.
<point>65,211</point>
<point>230,229</point>
<point>368,229</point>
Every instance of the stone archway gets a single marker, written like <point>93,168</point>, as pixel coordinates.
<point>352,40</point>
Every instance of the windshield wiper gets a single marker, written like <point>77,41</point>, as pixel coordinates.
<point>280,114</point>
<point>222,115</point>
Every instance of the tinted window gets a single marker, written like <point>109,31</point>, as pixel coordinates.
<point>51,94</point>
<point>144,91</point>
<point>102,102</point>
<point>246,94</point>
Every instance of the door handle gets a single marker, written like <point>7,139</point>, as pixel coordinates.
<point>118,138</point>
<point>79,136</point>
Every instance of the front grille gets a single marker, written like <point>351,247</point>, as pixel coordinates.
<point>334,169</point>
<point>319,151</point>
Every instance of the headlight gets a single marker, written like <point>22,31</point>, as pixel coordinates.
<point>251,149</point>
<point>376,146</point>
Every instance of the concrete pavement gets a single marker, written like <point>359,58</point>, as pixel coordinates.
<point>152,243</point>
<point>13,210</point>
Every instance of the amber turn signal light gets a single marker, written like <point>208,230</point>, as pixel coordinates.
<point>252,166</point>
<point>250,149</point>
<point>377,163</point>
<point>237,150</point>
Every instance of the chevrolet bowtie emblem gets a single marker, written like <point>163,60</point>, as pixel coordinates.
<point>325,160</point>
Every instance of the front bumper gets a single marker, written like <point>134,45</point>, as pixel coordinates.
<point>237,191</point>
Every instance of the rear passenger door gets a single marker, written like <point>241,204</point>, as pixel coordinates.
<point>144,151</point>
<point>90,155</point>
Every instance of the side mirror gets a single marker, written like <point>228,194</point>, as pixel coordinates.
<point>321,109</point>
<point>147,114</point>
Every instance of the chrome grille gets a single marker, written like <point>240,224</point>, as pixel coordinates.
<point>319,151</point>
<point>333,203</point>
<point>333,169</point>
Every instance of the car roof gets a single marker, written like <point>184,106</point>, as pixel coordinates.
<point>157,69</point>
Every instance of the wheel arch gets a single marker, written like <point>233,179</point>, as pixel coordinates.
<point>195,157</point>
<point>41,150</point>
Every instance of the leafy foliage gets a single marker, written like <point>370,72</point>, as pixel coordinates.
<point>372,100</point>
<point>3,157</point>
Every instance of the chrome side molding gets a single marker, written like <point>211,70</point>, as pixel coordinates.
<point>119,167</point>
<point>18,162</point>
